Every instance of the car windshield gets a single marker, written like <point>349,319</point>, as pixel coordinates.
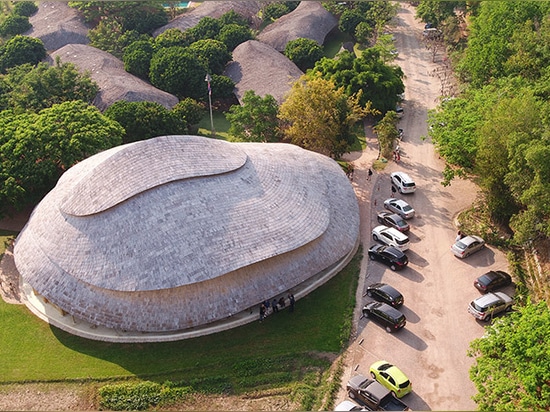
<point>485,280</point>
<point>460,245</point>
<point>400,223</point>
<point>406,208</point>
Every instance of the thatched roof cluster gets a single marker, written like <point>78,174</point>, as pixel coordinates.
<point>108,72</point>
<point>214,9</point>
<point>310,20</point>
<point>57,24</point>
<point>177,232</point>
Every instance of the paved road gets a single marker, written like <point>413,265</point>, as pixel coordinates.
<point>437,287</point>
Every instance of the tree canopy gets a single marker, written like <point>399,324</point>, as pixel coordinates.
<point>28,87</point>
<point>512,369</point>
<point>36,148</point>
<point>20,50</point>
<point>255,120</point>
<point>304,53</point>
<point>378,82</point>
<point>320,117</point>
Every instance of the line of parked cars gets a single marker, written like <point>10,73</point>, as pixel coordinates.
<point>388,383</point>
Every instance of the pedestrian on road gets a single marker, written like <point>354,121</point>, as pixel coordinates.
<point>369,174</point>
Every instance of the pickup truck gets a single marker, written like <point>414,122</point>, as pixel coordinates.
<point>373,395</point>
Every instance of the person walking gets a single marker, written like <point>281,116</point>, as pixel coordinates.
<point>369,174</point>
<point>274,305</point>
<point>262,312</point>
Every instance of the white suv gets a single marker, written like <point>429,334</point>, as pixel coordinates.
<point>487,306</point>
<point>403,182</point>
<point>391,237</point>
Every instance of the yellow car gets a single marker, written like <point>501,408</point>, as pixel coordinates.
<point>391,377</point>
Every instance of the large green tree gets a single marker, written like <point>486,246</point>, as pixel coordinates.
<point>143,120</point>
<point>28,87</point>
<point>512,369</point>
<point>319,116</point>
<point>178,71</point>
<point>20,50</point>
<point>379,83</point>
<point>304,53</point>
<point>255,120</point>
<point>36,148</point>
<point>213,54</point>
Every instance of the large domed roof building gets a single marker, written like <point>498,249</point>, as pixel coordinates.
<point>156,239</point>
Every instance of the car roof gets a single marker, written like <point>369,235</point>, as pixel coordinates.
<point>489,298</point>
<point>397,201</point>
<point>468,240</point>
<point>403,175</point>
<point>393,251</point>
<point>384,307</point>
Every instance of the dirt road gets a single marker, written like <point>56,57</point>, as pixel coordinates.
<point>437,287</point>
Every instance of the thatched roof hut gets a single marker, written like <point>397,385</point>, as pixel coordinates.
<point>310,20</point>
<point>215,9</point>
<point>57,24</point>
<point>114,82</point>
<point>259,67</point>
<point>177,232</point>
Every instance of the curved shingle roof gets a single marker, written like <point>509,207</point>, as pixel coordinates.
<point>114,82</point>
<point>259,67</point>
<point>310,20</point>
<point>180,245</point>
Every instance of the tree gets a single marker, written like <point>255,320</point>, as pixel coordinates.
<point>34,88</point>
<point>137,58</point>
<point>110,36</point>
<point>173,37</point>
<point>36,148</point>
<point>190,111</point>
<point>14,24</point>
<point>320,117</point>
<point>143,120</point>
<point>272,11</point>
<point>213,54</point>
<point>232,35</point>
<point>303,52</point>
<point>207,28</point>
<point>178,71</point>
<point>20,50</point>
<point>512,368</point>
<point>349,20</point>
<point>222,87</point>
<point>436,11</point>
<point>255,120</point>
<point>24,8</point>
<point>379,83</point>
<point>387,133</point>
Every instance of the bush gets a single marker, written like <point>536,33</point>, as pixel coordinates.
<point>14,24</point>
<point>24,8</point>
<point>20,50</point>
<point>139,396</point>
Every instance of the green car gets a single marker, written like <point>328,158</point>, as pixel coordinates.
<point>391,377</point>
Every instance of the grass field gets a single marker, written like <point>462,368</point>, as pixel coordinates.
<point>275,353</point>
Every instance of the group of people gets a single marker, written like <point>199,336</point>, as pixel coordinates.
<point>275,305</point>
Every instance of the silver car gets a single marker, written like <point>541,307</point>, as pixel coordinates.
<point>487,306</point>
<point>400,207</point>
<point>467,245</point>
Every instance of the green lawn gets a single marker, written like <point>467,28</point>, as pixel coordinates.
<point>276,352</point>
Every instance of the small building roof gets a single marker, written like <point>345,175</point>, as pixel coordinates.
<point>57,24</point>
<point>215,9</point>
<point>259,67</point>
<point>114,82</point>
<point>310,20</point>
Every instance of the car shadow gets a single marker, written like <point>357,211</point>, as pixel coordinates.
<point>484,258</point>
<point>411,316</point>
<point>416,259</point>
<point>412,274</point>
<point>415,402</point>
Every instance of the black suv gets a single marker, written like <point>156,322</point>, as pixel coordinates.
<point>388,255</point>
<point>385,293</point>
<point>384,314</point>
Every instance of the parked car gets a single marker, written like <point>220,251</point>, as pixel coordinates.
<point>349,406</point>
<point>400,207</point>
<point>373,395</point>
<point>388,255</point>
<point>403,182</point>
<point>399,110</point>
<point>487,306</point>
<point>467,245</point>
<point>393,220</point>
<point>492,280</point>
<point>386,315</point>
<point>383,292</point>
<point>391,237</point>
<point>391,377</point>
